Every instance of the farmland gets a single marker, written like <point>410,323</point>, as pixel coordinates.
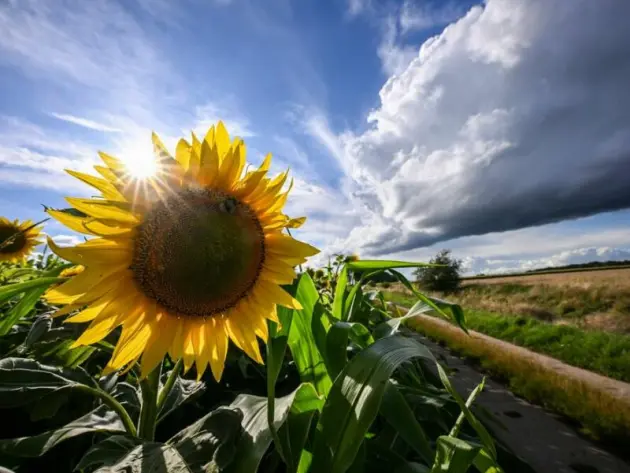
<point>591,300</point>
<point>581,318</point>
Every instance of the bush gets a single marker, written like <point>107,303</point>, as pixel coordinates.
<point>443,278</point>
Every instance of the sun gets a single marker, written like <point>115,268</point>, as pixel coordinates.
<point>139,161</point>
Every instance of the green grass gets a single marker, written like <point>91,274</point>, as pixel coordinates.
<point>602,352</point>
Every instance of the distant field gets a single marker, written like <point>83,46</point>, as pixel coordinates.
<point>619,277</point>
<point>606,272</point>
<point>595,299</point>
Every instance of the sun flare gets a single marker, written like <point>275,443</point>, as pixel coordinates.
<point>139,162</point>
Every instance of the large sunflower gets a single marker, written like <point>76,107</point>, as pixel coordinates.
<point>17,240</point>
<point>185,260</point>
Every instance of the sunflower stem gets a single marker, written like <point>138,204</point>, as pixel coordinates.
<point>170,382</point>
<point>149,411</point>
<point>114,405</point>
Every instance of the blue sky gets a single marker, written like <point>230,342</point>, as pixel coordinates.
<point>498,129</point>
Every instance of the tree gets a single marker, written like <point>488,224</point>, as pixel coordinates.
<point>443,278</point>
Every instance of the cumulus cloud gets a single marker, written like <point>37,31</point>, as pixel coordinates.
<point>477,265</point>
<point>515,115</point>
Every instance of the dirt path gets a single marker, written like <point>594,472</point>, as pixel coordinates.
<point>539,437</point>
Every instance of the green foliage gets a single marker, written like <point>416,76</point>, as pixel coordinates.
<point>443,276</point>
<point>343,389</point>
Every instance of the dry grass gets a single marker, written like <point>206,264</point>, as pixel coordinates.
<point>593,300</point>
<point>601,414</point>
<point>618,278</point>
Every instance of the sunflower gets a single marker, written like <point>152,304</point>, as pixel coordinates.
<point>17,240</point>
<point>184,261</point>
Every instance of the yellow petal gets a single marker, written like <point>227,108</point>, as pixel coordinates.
<point>111,317</point>
<point>242,335</point>
<point>278,277</point>
<point>221,139</point>
<point>218,343</point>
<point>96,252</point>
<point>90,313</point>
<point>158,147</point>
<point>209,166</point>
<point>107,189</point>
<point>104,209</point>
<point>157,345</point>
<point>182,153</point>
<point>286,245</point>
<point>72,290</point>
<point>273,293</point>
<point>176,348</point>
<point>113,163</point>
<point>188,348</point>
<point>133,339</point>
<point>201,346</point>
<point>266,163</point>
<point>296,222</point>
<point>89,225</point>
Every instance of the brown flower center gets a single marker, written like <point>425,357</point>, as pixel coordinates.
<point>12,239</point>
<point>198,252</point>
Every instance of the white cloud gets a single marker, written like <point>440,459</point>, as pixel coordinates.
<point>415,17</point>
<point>516,115</point>
<point>209,114</point>
<point>394,57</point>
<point>84,122</point>
<point>67,240</point>
<point>476,265</point>
<point>356,7</point>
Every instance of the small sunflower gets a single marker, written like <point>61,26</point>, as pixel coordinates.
<point>17,240</point>
<point>185,260</point>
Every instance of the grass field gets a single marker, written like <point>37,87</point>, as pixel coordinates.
<point>550,271</point>
<point>592,300</point>
<point>602,352</point>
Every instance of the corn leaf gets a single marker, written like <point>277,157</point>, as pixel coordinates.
<point>355,399</point>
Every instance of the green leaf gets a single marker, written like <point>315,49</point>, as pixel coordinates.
<point>184,390</point>
<point>453,455</point>
<point>108,452</point>
<point>382,264</point>
<point>65,355</point>
<point>485,437</point>
<point>211,441</point>
<point>456,310</point>
<point>23,381</point>
<point>276,350</point>
<point>40,327</point>
<point>150,457</point>
<point>208,445</point>
<point>308,358</point>
<point>485,464</point>
<point>337,344</point>
<point>99,420</point>
<point>340,293</point>
<point>395,410</point>
<point>21,309</point>
<point>257,436</point>
<point>355,399</point>
<point>458,313</point>
<point>10,291</point>
<point>389,328</point>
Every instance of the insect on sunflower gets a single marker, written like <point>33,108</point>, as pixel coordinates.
<point>185,260</point>
<point>17,240</point>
